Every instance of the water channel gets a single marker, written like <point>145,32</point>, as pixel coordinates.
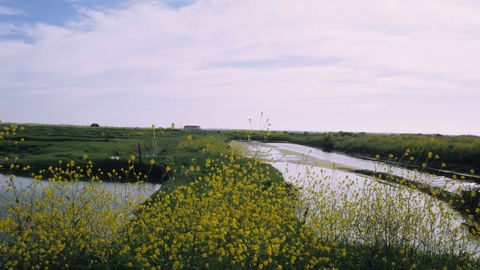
<point>347,205</point>
<point>121,193</point>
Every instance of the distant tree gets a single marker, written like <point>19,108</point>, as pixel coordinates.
<point>328,144</point>
<point>94,125</point>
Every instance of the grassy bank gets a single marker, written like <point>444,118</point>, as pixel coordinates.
<point>158,152</point>
<point>217,211</point>
<point>46,145</point>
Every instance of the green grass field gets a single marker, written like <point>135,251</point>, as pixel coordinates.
<point>215,210</point>
<point>44,145</point>
<point>111,148</point>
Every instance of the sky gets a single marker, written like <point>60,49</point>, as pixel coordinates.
<point>323,65</point>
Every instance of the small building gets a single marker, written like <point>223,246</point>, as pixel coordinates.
<point>191,127</point>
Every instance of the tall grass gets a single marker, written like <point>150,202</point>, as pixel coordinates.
<point>233,213</point>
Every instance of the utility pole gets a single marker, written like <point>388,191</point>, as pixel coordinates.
<point>154,142</point>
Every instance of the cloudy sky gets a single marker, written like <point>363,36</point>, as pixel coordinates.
<point>322,65</point>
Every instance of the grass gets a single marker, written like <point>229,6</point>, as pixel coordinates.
<point>217,210</point>
<point>45,145</point>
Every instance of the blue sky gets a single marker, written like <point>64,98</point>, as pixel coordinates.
<point>372,66</point>
<point>60,12</point>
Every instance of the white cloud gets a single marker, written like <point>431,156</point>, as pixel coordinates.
<point>341,55</point>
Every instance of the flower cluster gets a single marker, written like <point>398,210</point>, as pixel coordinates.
<point>236,217</point>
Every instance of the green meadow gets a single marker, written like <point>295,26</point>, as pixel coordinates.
<point>44,145</point>
<point>217,209</point>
